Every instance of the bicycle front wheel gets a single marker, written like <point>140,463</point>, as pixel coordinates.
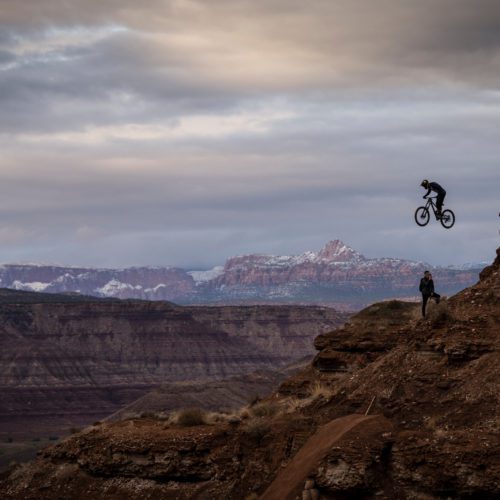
<point>447,219</point>
<point>422,216</point>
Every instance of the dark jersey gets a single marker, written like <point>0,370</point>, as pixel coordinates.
<point>426,286</point>
<point>434,186</point>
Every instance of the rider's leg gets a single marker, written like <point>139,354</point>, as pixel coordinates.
<point>436,296</point>
<point>425,298</point>
<point>439,202</point>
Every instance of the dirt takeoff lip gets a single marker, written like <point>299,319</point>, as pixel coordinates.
<point>288,481</point>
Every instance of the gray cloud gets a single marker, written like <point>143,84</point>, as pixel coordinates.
<point>175,132</point>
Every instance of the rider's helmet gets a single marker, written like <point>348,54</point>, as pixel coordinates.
<point>425,183</point>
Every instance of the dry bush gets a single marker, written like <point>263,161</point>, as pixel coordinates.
<point>295,404</point>
<point>74,430</point>
<point>257,428</point>
<point>318,390</point>
<point>215,417</point>
<point>254,400</point>
<point>148,414</point>
<point>244,414</point>
<point>394,305</point>
<point>265,409</point>
<point>386,394</point>
<point>439,314</point>
<point>190,417</point>
<point>432,423</point>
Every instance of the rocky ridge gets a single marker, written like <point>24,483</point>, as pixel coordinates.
<point>429,387</point>
<point>337,275</point>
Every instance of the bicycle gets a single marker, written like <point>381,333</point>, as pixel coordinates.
<point>423,214</point>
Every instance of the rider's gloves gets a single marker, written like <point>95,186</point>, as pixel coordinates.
<point>424,197</point>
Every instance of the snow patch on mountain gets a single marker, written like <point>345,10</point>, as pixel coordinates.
<point>155,288</point>
<point>204,276</point>
<point>114,287</point>
<point>469,266</point>
<point>34,286</point>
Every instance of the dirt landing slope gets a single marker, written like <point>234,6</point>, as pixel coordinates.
<point>308,458</point>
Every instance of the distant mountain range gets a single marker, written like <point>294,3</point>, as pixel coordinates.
<point>337,275</point>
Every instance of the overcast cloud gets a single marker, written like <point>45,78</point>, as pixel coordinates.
<point>182,132</point>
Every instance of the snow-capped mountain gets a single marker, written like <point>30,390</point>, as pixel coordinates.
<point>337,274</point>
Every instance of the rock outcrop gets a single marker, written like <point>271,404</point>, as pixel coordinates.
<point>410,408</point>
<point>69,360</point>
<point>337,276</point>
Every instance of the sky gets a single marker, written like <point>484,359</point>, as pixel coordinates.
<point>182,132</point>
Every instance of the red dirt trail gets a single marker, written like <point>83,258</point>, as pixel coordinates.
<point>307,458</point>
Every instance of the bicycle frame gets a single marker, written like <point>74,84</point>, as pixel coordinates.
<point>431,203</point>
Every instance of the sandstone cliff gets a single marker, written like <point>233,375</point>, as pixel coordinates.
<point>430,388</point>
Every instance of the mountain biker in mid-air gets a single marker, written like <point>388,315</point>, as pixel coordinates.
<point>441,193</point>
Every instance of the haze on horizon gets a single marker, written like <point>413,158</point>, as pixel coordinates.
<point>182,132</point>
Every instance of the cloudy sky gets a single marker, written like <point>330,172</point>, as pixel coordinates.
<point>184,131</point>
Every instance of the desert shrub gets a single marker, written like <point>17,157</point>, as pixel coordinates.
<point>439,314</point>
<point>295,404</point>
<point>257,429</point>
<point>74,430</point>
<point>318,390</point>
<point>264,409</point>
<point>148,414</point>
<point>216,417</point>
<point>395,305</point>
<point>191,417</point>
<point>431,422</point>
<point>254,400</point>
<point>244,414</point>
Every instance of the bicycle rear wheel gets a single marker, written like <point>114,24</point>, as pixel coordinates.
<point>422,216</point>
<point>447,219</point>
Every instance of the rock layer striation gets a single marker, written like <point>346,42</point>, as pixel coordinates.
<point>66,361</point>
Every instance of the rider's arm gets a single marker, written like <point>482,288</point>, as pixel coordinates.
<point>428,192</point>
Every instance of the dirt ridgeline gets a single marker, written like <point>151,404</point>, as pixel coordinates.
<point>431,388</point>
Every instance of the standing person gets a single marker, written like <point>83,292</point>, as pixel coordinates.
<point>427,289</point>
<point>441,193</point>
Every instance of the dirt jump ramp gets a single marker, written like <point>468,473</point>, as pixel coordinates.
<point>290,479</point>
